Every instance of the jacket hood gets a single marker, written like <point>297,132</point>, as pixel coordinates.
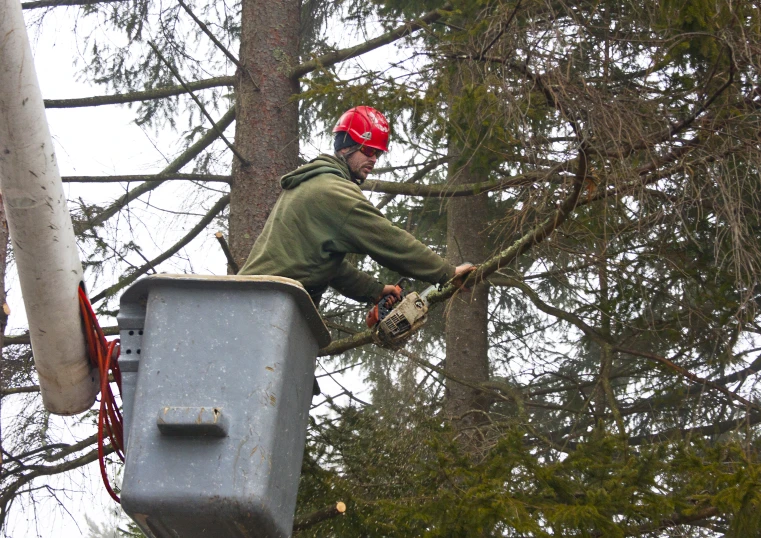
<point>324,164</point>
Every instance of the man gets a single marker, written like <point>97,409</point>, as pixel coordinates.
<point>322,215</point>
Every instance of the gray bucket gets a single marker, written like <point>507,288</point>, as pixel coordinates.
<point>217,377</point>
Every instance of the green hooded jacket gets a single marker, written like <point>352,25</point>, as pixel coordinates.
<point>321,216</point>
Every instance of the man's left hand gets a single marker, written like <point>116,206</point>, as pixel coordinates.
<point>461,274</point>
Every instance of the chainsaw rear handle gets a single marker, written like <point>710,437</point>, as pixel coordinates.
<point>382,308</point>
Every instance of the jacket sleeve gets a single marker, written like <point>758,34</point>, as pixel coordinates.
<point>356,284</point>
<point>367,231</point>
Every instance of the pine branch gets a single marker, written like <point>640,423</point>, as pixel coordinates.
<point>522,67</point>
<point>446,191</point>
<point>501,32</point>
<point>197,229</point>
<point>146,95</point>
<point>603,341</point>
<point>689,375</point>
<point>625,150</point>
<point>414,178</point>
<point>674,521</point>
<point>326,60</point>
<point>390,188</point>
<point>187,156</point>
<point>692,390</point>
<point>533,237</point>
<point>57,3</point>
<point>751,419</point>
<point>387,169</point>
<point>501,392</point>
<point>147,178</point>
<point>345,344</point>
<point>683,124</point>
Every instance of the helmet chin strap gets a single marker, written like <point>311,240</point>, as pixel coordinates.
<point>343,158</point>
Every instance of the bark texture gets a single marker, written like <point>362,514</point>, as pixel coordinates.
<point>266,117</point>
<point>4,310</point>
<point>467,343</point>
<point>467,314</point>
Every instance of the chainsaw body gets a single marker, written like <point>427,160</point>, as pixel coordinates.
<point>407,316</point>
<point>395,321</point>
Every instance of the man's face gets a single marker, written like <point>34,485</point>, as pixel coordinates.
<point>360,164</point>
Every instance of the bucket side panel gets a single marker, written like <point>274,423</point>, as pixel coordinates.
<point>229,350</point>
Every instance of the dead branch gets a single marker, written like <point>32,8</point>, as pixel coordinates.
<point>148,178</point>
<point>533,237</point>
<point>198,102</point>
<point>187,156</point>
<point>59,3</point>
<point>197,229</point>
<point>319,516</point>
<point>326,60</point>
<point>446,191</point>
<point>226,250</point>
<point>146,95</point>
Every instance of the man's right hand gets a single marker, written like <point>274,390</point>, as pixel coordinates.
<point>393,290</point>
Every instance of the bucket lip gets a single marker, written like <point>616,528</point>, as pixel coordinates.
<point>139,291</point>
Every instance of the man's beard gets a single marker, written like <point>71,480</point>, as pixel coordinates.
<point>352,173</point>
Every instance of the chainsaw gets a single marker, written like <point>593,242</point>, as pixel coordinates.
<point>395,321</point>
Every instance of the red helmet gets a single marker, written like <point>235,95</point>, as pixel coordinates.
<point>365,126</point>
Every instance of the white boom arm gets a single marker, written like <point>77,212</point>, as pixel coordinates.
<point>40,226</point>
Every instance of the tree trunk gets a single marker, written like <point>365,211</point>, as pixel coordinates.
<point>266,130</point>
<point>467,314</point>
<point>4,310</point>
<point>467,342</point>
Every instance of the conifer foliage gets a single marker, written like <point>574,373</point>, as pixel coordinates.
<point>600,380</point>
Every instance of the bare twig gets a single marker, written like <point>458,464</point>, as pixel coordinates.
<point>220,133</point>
<point>226,249</point>
<point>335,57</point>
<point>197,229</point>
<point>218,43</point>
<point>183,159</point>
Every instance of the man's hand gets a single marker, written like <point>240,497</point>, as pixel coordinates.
<point>461,272</point>
<point>393,290</point>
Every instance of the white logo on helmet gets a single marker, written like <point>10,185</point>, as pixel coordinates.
<point>377,123</point>
<point>366,136</point>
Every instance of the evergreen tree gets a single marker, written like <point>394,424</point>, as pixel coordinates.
<point>599,160</point>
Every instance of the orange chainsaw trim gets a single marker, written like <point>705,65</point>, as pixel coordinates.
<point>374,316</point>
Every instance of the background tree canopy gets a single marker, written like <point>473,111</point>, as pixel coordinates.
<point>598,160</point>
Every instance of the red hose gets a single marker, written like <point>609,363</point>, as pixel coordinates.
<point>103,356</point>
